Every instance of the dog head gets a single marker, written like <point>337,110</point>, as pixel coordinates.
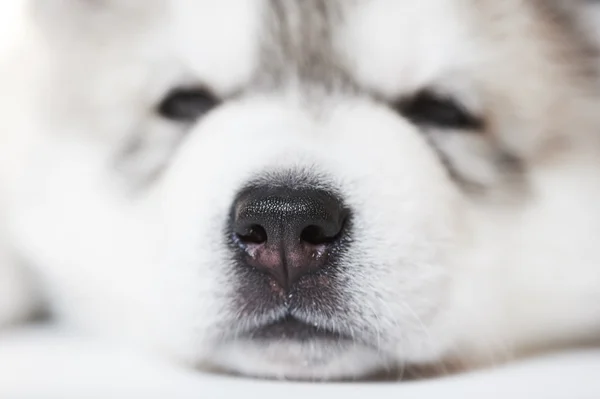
<point>286,188</point>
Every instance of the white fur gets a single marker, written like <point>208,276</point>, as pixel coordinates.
<point>434,274</point>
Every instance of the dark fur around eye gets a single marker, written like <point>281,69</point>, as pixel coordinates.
<point>432,110</point>
<point>186,104</point>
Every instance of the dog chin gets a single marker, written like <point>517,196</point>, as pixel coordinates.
<point>319,359</point>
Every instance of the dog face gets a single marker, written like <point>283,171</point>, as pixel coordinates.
<point>284,188</point>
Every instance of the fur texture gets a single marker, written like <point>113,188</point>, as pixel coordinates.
<point>468,247</point>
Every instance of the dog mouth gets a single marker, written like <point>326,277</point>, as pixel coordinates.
<point>290,328</point>
<point>293,348</point>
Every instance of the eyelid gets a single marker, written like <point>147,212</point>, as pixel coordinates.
<point>186,104</point>
<point>428,108</point>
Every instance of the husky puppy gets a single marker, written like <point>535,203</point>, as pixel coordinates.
<point>315,189</point>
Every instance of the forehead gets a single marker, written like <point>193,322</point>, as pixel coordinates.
<point>387,46</point>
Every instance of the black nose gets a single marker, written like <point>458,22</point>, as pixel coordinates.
<point>288,233</point>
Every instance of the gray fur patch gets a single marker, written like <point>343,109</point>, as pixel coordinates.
<point>297,47</point>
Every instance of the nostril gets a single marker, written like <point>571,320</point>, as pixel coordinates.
<point>316,235</point>
<point>253,234</point>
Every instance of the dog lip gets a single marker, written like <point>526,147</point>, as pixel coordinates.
<point>292,328</point>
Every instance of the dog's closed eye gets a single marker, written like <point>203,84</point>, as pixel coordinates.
<point>429,109</point>
<point>187,104</point>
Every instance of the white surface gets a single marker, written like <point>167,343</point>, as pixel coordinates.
<point>43,363</point>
